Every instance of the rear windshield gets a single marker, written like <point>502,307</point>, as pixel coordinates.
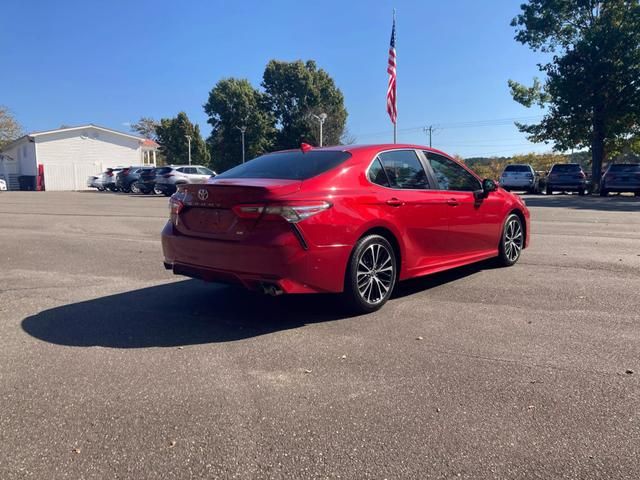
<point>566,167</point>
<point>626,168</point>
<point>288,165</point>
<point>163,170</point>
<point>517,168</point>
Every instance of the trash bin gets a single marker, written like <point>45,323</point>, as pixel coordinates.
<point>27,182</point>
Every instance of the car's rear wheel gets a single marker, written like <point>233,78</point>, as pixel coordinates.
<point>135,188</point>
<point>512,241</point>
<point>371,274</point>
<point>157,191</point>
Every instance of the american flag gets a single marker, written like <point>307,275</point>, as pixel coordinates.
<point>391,70</point>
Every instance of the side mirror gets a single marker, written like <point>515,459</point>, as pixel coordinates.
<point>488,186</point>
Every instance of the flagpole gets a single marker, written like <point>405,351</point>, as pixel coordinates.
<point>395,124</point>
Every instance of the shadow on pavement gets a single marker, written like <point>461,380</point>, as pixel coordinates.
<point>192,312</point>
<point>181,313</point>
<point>614,203</point>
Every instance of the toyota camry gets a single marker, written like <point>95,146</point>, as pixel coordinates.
<point>353,220</point>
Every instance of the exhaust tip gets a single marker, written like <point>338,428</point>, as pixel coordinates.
<point>271,289</point>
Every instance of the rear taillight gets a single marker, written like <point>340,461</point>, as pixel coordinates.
<point>175,207</point>
<point>109,174</point>
<point>291,212</point>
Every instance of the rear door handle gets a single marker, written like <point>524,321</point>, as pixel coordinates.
<point>394,202</point>
<point>452,202</point>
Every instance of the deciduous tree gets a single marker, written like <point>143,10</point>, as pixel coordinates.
<point>172,133</point>
<point>233,103</point>
<point>592,88</point>
<point>295,91</point>
<point>10,129</point>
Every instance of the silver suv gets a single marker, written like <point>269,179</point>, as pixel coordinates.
<point>168,178</point>
<point>520,177</point>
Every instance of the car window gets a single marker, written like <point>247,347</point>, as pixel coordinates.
<point>204,171</point>
<point>289,165</point>
<point>163,170</point>
<point>404,170</point>
<point>565,167</point>
<point>377,174</point>
<point>518,168</point>
<point>450,175</point>
<point>625,167</point>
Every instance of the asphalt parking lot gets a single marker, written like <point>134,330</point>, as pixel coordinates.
<point>111,367</point>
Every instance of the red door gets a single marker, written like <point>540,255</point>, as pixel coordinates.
<point>419,213</point>
<point>474,225</point>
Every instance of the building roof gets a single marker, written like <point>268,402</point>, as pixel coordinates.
<point>33,135</point>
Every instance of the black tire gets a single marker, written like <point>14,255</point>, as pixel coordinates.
<point>581,192</point>
<point>157,191</point>
<point>372,268</point>
<point>134,188</point>
<point>511,241</point>
<point>603,192</point>
<point>549,191</point>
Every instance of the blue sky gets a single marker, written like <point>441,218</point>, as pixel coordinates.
<point>109,63</point>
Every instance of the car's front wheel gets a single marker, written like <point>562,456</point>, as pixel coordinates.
<point>371,274</point>
<point>512,241</point>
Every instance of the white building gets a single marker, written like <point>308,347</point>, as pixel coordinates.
<point>69,155</point>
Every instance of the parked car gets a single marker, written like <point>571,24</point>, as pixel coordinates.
<point>168,178</point>
<point>95,181</point>
<point>520,177</point>
<point>3,185</point>
<point>567,177</point>
<point>147,181</point>
<point>108,178</point>
<point>621,177</point>
<point>127,179</point>
<point>351,219</point>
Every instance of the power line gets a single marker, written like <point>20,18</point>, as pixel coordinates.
<point>471,124</point>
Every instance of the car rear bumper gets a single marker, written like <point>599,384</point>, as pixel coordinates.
<point>282,262</point>
<point>622,187</point>
<point>517,184</point>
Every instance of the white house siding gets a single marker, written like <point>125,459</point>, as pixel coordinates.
<point>70,157</point>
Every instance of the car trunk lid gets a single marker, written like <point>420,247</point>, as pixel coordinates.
<point>208,208</point>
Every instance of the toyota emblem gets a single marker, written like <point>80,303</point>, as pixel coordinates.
<point>203,194</point>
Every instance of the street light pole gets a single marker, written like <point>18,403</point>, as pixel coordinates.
<point>242,130</point>
<point>321,118</point>
<point>189,140</point>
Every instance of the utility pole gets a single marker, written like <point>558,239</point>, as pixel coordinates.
<point>242,130</point>
<point>321,118</point>
<point>429,130</point>
<point>189,140</point>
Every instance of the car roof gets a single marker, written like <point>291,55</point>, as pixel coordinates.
<point>366,148</point>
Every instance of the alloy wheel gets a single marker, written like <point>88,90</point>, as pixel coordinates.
<point>513,239</point>
<point>375,273</point>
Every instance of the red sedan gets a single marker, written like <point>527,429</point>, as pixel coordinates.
<point>351,219</point>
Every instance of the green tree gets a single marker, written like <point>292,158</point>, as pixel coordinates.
<point>232,104</point>
<point>10,129</point>
<point>146,127</point>
<point>591,92</point>
<point>295,91</point>
<point>172,138</point>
